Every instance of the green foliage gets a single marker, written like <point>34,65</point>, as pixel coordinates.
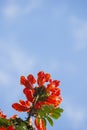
<point>4,122</point>
<point>49,120</point>
<point>18,123</point>
<point>47,112</point>
<point>21,127</point>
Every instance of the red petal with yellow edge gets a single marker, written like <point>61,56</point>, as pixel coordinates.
<point>14,116</point>
<point>41,74</point>
<point>56,91</point>
<point>47,77</point>
<point>20,108</point>
<point>28,93</point>
<point>41,78</point>
<point>2,115</point>
<point>31,79</point>
<point>56,82</point>
<point>39,123</point>
<point>23,80</point>
<point>22,102</point>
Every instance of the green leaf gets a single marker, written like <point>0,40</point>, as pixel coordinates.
<point>56,113</point>
<point>41,113</point>
<point>21,126</point>
<point>4,122</point>
<point>55,116</point>
<point>48,112</point>
<point>50,120</point>
<point>47,108</point>
<point>59,109</point>
<point>38,121</point>
<point>45,122</point>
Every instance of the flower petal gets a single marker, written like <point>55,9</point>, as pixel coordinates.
<point>20,108</point>
<point>31,79</point>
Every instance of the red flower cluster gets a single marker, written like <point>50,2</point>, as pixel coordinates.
<point>42,102</point>
<point>2,115</point>
<point>9,128</point>
<point>46,92</point>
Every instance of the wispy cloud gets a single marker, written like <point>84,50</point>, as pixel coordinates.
<point>10,11</point>
<point>77,115</point>
<point>79,33</point>
<point>14,61</point>
<point>21,61</point>
<point>18,59</point>
<point>13,10</point>
<point>68,67</point>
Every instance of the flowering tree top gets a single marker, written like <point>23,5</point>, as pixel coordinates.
<point>43,97</point>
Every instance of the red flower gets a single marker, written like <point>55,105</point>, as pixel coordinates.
<point>42,78</point>
<point>29,94</point>
<point>54,100</point>
<point>47,77</point>
<point>46,92</point>
<point>31,79</point>
<point>39,104</point>
<point>2,128</point>
<point>11,128</point>
<point>2,115</point>
<point>14,116</point>
<point>56,91</point>
<point>26,82</point>
<point>39,123</point>
<point>53,85</point>
<point>22,106</point>
<point>30,91</point>
<point>56,82</point>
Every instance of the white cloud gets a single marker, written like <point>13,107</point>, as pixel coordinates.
<point>5,78</point>
<point>11,11</point>
<point>63,66</point>
<point>21,60</point>
<point>13,60</point>
<point>14,10</point>
<point>79,33</point>
<point>76,115</point>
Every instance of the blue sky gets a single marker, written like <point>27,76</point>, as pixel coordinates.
<point>49,35</point>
